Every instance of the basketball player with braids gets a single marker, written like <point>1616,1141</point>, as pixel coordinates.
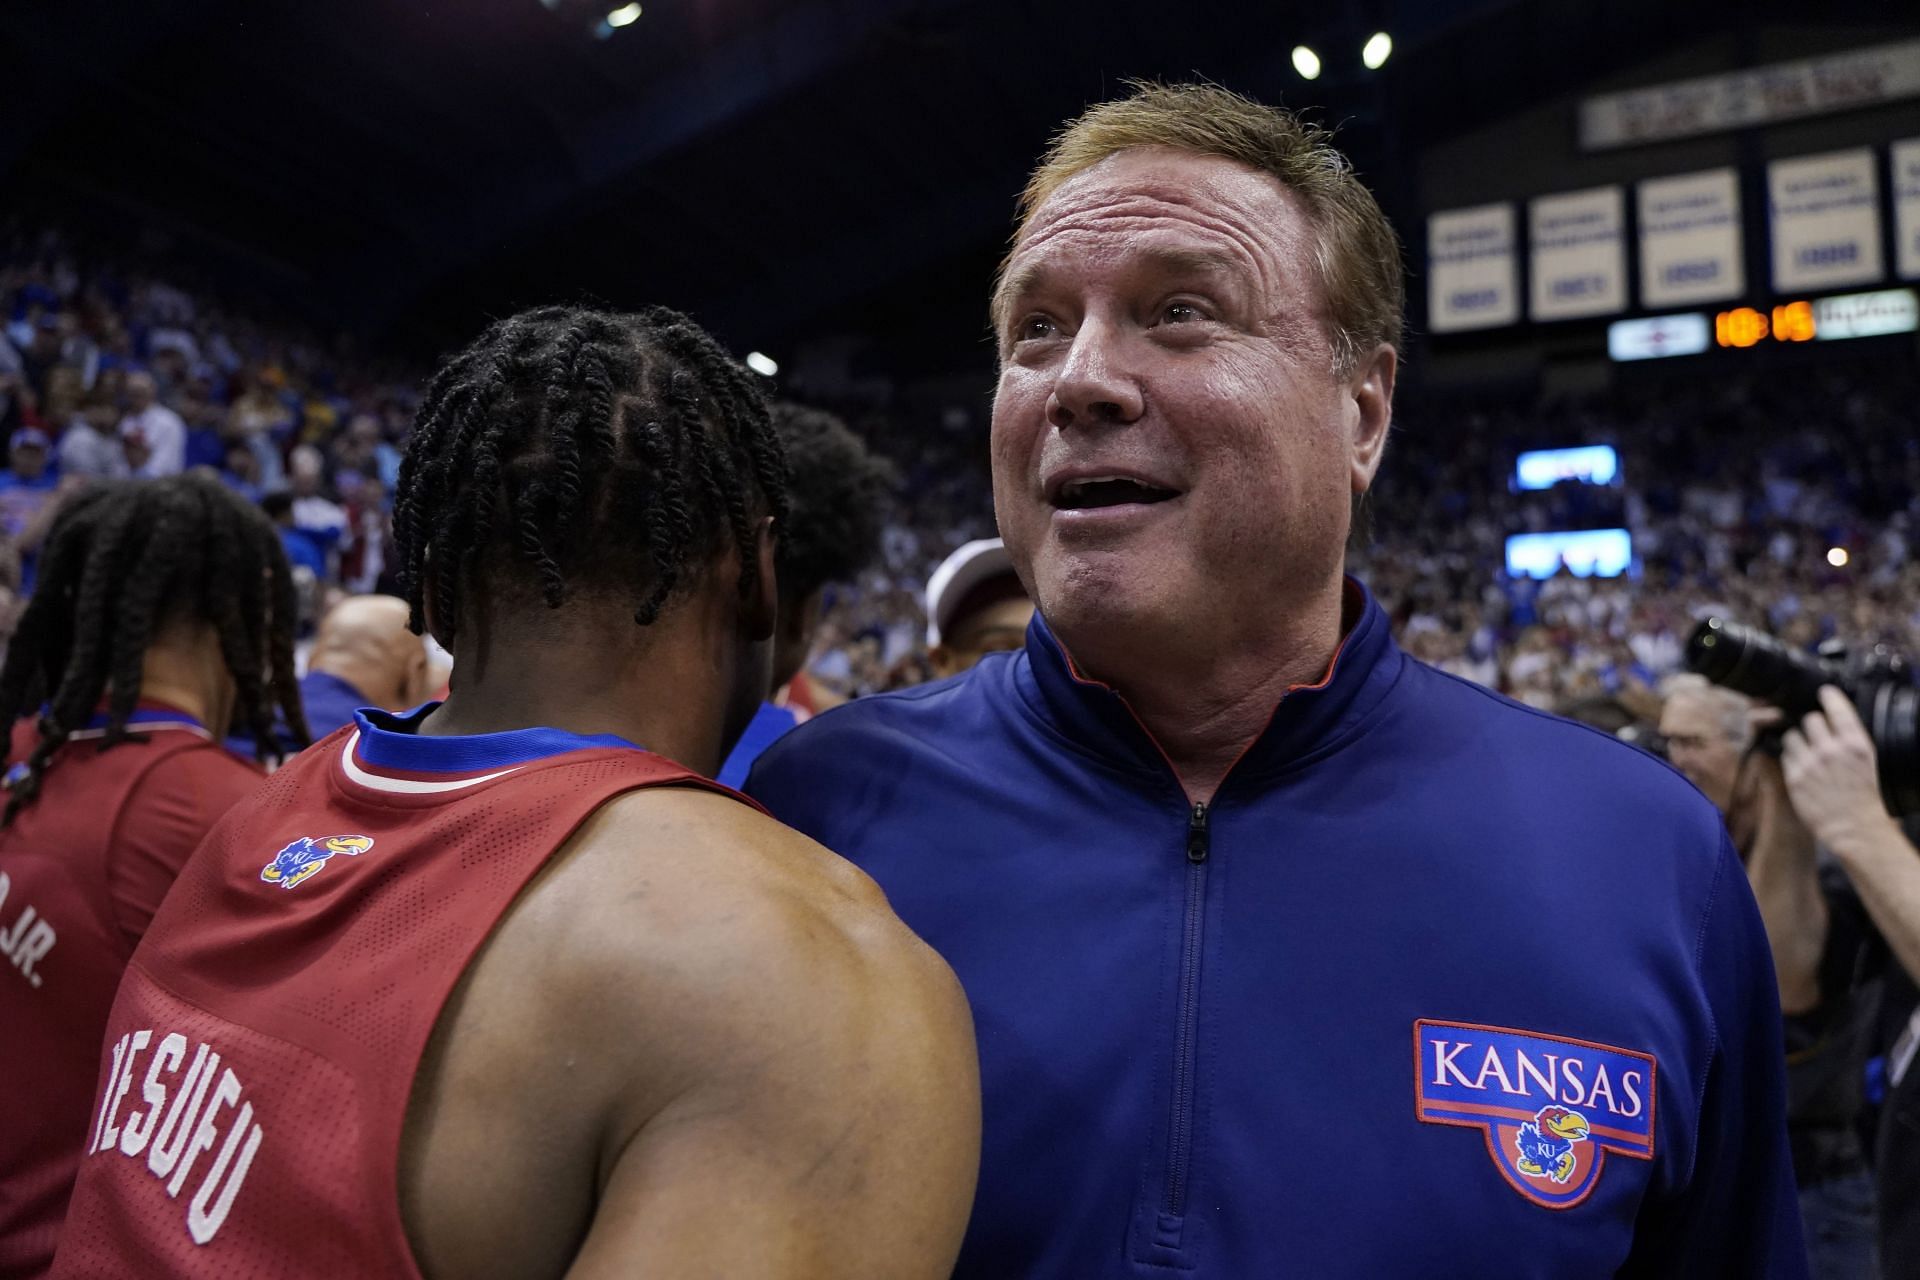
<point>164,615</point>
<point>506,987</point>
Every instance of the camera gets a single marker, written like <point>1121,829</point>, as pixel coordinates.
<point>1878,682</point>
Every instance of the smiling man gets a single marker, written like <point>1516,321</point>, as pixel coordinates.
<point>1287,954</point>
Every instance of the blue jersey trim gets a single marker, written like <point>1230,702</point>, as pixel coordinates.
<point>147,717</point>
<point>391,741</point>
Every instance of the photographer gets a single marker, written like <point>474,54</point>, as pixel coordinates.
<point>1832,779</point>
<point>1824,955</point>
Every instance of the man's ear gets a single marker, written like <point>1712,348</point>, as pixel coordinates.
<point>1371,386</point>
<point>760,613</point>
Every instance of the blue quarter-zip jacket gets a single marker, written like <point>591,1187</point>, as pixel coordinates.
<point>1436,986</point>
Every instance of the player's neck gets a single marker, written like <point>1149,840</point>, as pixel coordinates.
<point>659,689</point>
<point>183,669</point>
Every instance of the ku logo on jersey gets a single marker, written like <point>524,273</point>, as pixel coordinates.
<point>1550,1108</point>
<point>304,857</point>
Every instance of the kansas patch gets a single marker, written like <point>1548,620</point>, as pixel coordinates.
<point>1551,1108</point>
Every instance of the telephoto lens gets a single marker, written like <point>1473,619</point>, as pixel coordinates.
<point>1752,662</point>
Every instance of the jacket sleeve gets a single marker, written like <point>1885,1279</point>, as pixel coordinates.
<point>1739,1214</point>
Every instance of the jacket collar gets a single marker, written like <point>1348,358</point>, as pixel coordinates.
<point>1308,720</point>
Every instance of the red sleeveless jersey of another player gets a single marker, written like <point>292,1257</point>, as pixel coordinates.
<point>262,1050</point>
<point>82,870</point>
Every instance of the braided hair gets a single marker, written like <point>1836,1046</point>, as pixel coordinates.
<point>573,448</point>
<point>838,493</point>
<point>122,561</point>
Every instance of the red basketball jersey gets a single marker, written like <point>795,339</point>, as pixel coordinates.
<point>82,871</point>
<point>262,1049</point>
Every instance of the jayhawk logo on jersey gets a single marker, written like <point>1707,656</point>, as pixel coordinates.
<point>1546,1142</point>
<point>1552,1108</point>
<point>302,857</point>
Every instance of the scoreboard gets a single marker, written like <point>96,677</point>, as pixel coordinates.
<point>1850,315</point>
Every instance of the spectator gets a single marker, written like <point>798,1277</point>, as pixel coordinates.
<point>304,550</point>
<point>262,420</point>
<point>154,435</point>
<point>28,482</point>
<point>312,509</point>
<point>241,471</point>
<point>365,655</point>
<point>975,606</point>
<point>91,447</point>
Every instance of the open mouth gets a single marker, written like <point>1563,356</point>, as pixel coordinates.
<point>1108,491</point>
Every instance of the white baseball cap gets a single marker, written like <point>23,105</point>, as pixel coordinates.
<point>968,567</point>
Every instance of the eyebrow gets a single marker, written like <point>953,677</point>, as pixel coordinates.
<point>1172,260</point>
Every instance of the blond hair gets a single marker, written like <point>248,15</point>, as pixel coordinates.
<point>1356,255</point>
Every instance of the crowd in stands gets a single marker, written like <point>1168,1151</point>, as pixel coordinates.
<point>1738,493</point>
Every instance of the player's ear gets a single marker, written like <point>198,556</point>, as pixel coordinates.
<point>761,611</point>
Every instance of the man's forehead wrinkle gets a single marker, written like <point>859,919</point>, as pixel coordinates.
<point>1145,210</point>
<point>1101,235</point>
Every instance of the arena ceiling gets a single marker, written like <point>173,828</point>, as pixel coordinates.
<point>782,168</point>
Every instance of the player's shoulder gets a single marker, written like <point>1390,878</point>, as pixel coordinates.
<point>1538,754</point>
<point>691,882</point>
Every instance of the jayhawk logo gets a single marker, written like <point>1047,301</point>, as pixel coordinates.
<point>308,854</point>
<point>1553,1110</point>
<point>1546,1143</point>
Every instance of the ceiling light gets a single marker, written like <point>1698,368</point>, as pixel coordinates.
<point>1837,557</point>
<point>625,16</point>
<point>1377,50</point>
<point>1306,62</point>
<point>762,365</point>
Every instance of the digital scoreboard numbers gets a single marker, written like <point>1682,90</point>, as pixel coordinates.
<point>1748,327</point>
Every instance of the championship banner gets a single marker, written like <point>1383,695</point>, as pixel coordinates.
<point>1470,269</point>
<point>1690,239</point>
<point>1578,243</point>
<point>1742,99</point>
<point>1906,207</point>
<point>1826,221</point>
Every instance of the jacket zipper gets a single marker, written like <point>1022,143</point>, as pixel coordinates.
<point>1180,1131</point>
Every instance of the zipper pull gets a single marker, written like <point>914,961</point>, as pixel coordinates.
<point>1197,842</point>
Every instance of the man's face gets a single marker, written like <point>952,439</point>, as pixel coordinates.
<point>1698,745</point>
<point>28,461</point>
<point>994,628</point>
<point>139,393</point>
<point>1170,444</point>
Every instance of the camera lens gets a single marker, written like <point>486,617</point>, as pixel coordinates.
<point>1752,662</point>
<point>1893,718</point>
